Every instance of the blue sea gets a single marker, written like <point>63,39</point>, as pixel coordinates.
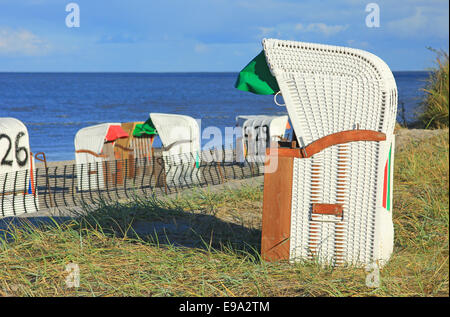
<point>54,106</point>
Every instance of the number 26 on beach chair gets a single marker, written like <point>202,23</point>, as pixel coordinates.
<point>18,194</point>
<point>330,198</point>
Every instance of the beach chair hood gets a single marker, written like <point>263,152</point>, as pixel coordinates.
<point>178,133</point>
<point>17,170</point>
<point>258,131</point>
<point>93,137</point>
<point>308,74</point>
<point>276,125</point>
<point>14,131</point>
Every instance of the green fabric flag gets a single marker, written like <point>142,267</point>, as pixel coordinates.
<point>145,128</point>
<point>256,77</point>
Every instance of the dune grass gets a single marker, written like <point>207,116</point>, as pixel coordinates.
<point>434,107</point>
<point>218,255</point>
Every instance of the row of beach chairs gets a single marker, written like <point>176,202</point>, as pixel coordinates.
<point>109,154</point>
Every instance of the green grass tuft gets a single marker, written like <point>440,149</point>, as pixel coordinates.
<point>434,107</point>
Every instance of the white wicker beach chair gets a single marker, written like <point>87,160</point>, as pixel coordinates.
<point>342,103</point>
<point>180,138</point>
<point>89,143</point>
<point>258,132</point>
<point>18,194</point>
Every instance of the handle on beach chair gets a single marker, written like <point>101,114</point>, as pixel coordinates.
<point>327,209</point>
<point>275,100</point>
<point>92,153</point>
<point>123,148</point>
<point>321,212</point>
<point>167,148</point>
<point>333,139</point>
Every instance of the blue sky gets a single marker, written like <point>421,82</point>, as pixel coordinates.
<point>208,35</point>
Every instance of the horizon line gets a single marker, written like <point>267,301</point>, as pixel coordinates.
<point>150,72</point>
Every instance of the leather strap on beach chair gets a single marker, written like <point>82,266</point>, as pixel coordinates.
<point>167,148</point>
<point>123,148</point>
<point>333,139</point>
<point>92,153</point>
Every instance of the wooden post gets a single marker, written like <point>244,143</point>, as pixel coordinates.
<point>276,220</point>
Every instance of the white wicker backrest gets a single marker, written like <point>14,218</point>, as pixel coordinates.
<point>90,138</point>
<point>329,89</point>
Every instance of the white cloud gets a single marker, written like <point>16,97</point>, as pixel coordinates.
<point>291,31</point>
<point>265,31</point>
<point>425,21</point>
<point>22,42</point>
<point>201,48</point>
<point>269,32</point>
<point>323,28</point>
<point>358,44</point>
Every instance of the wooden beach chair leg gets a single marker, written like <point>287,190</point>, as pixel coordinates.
<point>276,211</point>
<point>131,166</point>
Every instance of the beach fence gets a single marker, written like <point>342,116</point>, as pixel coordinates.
<point>57,185</point>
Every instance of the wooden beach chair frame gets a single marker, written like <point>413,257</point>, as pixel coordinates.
<point>138,149</point>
